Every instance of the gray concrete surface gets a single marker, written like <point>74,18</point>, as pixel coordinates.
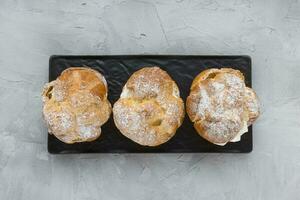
<point>267,30</point>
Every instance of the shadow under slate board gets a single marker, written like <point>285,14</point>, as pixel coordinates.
<point>117,70</point>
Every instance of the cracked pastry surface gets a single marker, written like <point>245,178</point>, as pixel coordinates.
<point>150,109</point>
<point>75,105</point>
<point>221,106</point>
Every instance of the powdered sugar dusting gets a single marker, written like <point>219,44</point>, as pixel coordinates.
<point>87,131</point>
<point>65,120</point>
<point>218,87</point>
<point>59,91</point>
<point>81,98</point>
<point>144,87</point>
<point>204,103</point>
<point>72,112</point>
<point>220,106</point>
<point>54,89</point>
<point>252,103</point>
<point>148,106</point>
<point>59,121</point>
<point>233,81</point>
<point>135,120</point>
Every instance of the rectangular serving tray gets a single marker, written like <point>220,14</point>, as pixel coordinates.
<point>117,70</point>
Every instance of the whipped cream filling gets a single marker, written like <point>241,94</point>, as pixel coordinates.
<point>237,138</point>
<point>125,92</point>
<point>175,91</point>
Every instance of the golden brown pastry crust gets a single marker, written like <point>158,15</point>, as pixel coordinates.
<point>252,105</point>
<point>150,109</point>
<point>76,105</point>
<point>220,105</point>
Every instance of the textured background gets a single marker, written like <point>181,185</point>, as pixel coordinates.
<point>31,31</point>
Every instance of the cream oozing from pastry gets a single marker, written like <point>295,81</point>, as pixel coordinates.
<point>220,106</point>
<point>237,138</point>
<point>125,92</point>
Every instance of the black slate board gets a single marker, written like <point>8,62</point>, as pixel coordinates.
<point>117,69</point>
